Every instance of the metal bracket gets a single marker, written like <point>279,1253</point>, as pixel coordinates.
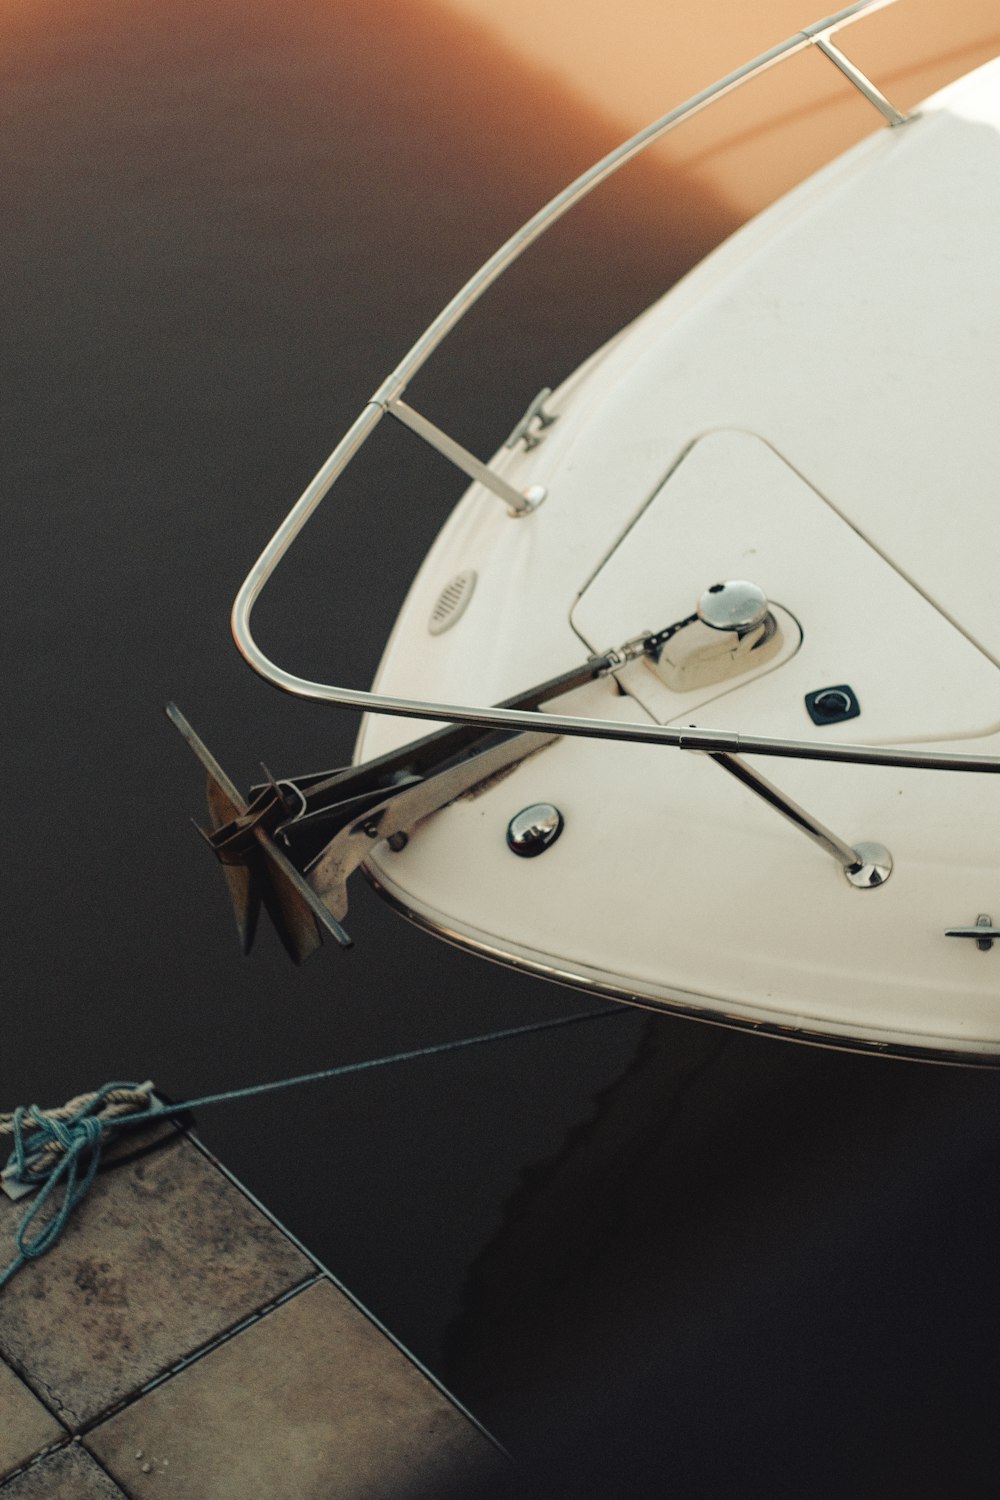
<point>530,430</point>
<point>393,818</point>
<point>984,933</point>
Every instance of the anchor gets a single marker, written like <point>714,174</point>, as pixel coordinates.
<point>292,844</point>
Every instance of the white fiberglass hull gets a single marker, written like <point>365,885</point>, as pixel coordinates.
<point>814,408</point>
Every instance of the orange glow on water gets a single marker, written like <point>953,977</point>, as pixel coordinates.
<point>550,67</point>
<point>635,60</point>
<point>379,150</point>
<point>395,141</point>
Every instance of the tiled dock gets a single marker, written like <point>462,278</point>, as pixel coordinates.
<point>176,1342</point>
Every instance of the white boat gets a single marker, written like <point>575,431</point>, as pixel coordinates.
<point>755,534</point>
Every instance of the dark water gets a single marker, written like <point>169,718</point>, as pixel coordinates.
<point>655,1257</point>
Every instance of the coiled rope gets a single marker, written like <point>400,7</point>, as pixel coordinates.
<point>62,1146</point>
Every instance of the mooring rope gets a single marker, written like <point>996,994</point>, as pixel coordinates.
<point>63,1145</point>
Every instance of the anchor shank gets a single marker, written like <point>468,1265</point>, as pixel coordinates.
<point>399,812</point>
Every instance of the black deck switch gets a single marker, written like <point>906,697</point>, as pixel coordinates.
<point>832,705</point>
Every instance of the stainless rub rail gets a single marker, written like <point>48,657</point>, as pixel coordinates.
<point>388,399</point>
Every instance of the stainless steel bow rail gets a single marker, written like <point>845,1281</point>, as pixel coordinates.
<point>295,842</point>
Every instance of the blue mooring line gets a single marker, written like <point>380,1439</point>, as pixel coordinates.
<point>81,1136</point>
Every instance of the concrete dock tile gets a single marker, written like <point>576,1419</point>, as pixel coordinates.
<point>313,1402</point>
<point>69,1474</point>
<point>162,1256</point>
<point>26,1427</point>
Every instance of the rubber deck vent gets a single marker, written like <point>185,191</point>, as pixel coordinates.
<point>452,601</point>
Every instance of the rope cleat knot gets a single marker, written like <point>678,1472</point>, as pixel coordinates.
<point>61,1146</point>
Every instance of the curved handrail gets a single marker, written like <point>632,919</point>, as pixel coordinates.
<point>392,389</point>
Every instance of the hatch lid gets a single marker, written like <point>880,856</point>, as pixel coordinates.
<point>732,507</point>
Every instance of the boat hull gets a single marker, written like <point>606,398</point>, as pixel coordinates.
<point>811,408</point>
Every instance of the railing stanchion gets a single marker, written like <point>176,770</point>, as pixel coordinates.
<point>515,502</point>
<point>861,82</point>
<point>865,865</point>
